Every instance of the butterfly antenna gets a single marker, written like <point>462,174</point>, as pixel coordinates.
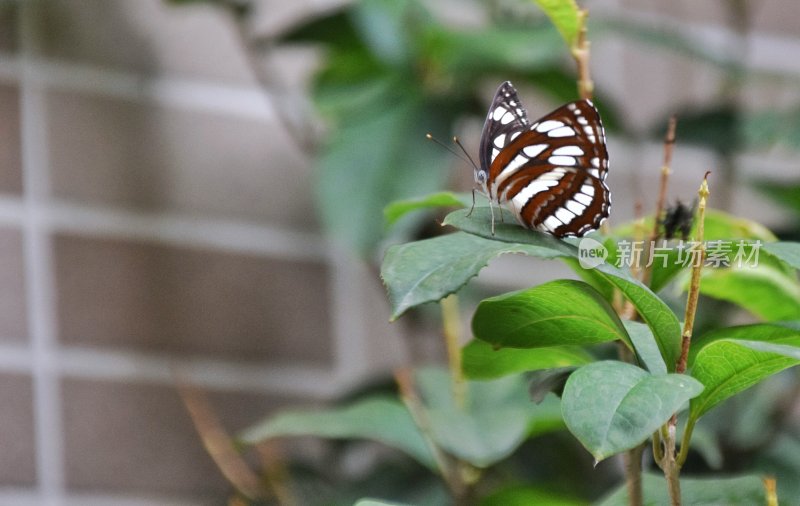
<point>448,148</point>
<point>458,143</point>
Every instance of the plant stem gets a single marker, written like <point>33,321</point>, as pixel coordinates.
<point>687,436</point>
<point>449,472</point>
<point>671,469</point>
<point>580,52</point>
<point>669,143</point>
<point>632,460</point>
<point>694,287</point>
<point>669,464</point>
<point>452,333</point>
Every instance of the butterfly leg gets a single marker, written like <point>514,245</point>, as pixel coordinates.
<point>473,203</point>
<point>491,210</point>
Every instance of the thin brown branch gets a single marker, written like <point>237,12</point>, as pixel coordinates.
<point>302,135</point>
<point>219,444</point>
<point>669,144</point>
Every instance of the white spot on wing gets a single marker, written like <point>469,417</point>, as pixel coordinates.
<point>534,150</point>
<point>498,113</point>
<point>507,118</point>
<point>536,186</point>
<point>575,207</point>
<point>513,136</point>
<point>512,167</point>
<point>594,172</point>
<point>500,140</point>
<point>564,131</point>
<point>583,199</point>
<point>595,162</point>
<point>568,151</point>
<point>562,160</point>
<point>546,126</point>
<point>552,223</point>
<point>495,152</point>
<point>588,190</point>
<point>564,215</point>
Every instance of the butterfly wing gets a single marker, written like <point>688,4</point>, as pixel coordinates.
<point>505,121</point>
<point>552,172</point>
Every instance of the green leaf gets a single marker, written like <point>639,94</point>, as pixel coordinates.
<point>497,417</point>
<point>739,491</point>
<point>654,311</point>
<point>481,361</point>
<point>786,193</point>
<point>400,208</point>
<point>788,252</point>
<point>477,52</point>
<point>763,289</point>
<point>525,495</point>
<point>612,406</point>
<point>429,270</point>
<point>566,17</point>
<point>378,418</point>
<point>379,159</point>
<point>646,347</point>
<point>389,28</point>
<point>558,313</point>
<point>730,360</point>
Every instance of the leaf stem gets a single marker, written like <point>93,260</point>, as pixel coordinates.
<point>452,332</point>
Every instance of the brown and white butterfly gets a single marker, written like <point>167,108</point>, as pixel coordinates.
<point>550,173</point>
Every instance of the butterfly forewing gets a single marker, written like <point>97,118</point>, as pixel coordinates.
<point>506,120</point>
<point>551,173</point>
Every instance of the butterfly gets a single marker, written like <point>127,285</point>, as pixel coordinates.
<point>550,173</point>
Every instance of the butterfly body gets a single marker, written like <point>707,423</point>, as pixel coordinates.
<point>550,173</point>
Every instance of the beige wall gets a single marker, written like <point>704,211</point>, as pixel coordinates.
<point>153,216</point>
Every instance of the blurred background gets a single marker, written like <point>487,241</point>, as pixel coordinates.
<point>195,188</point>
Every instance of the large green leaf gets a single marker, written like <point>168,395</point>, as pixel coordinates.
<point>653,310</point>
<point>788,252</point>
<point>480,360</point>
<point>733,359</point>
<point>380,419</point>
<point>763,289</point>
<point>739,491</point>
<point>496,418</point>
<point>566,17</point>
<point>521,495</point>
<point>558,313</point>
<point>429,270</point>
<point>612,406</point>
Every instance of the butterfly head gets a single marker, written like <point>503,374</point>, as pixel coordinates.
<point>481,177</point>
